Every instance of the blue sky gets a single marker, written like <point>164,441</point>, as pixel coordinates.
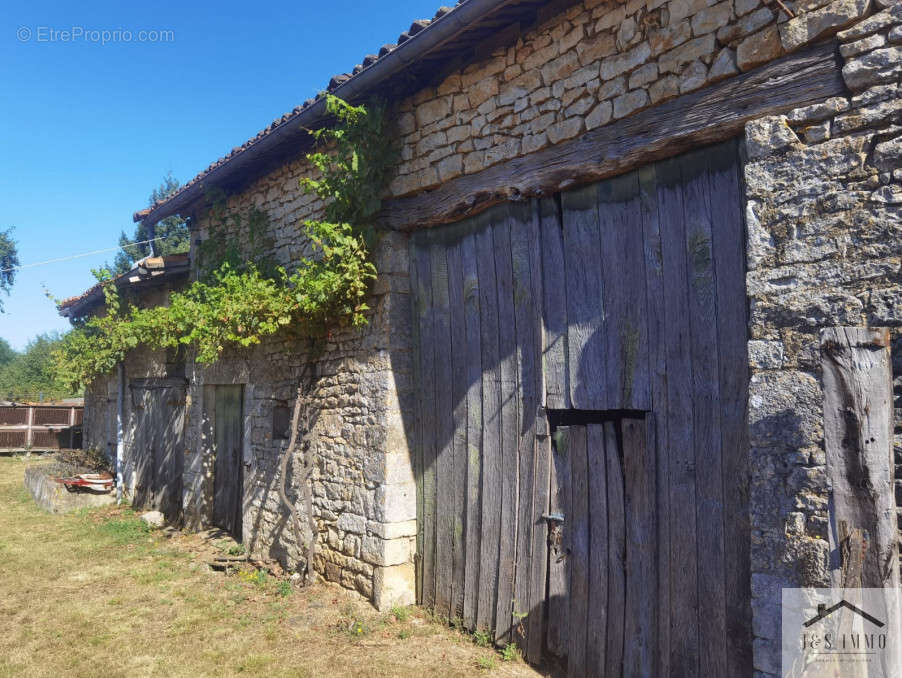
<point>88,129</point>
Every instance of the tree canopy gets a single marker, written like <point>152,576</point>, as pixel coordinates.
<point>173,232</point>
<point>9,260</point>
<point>6,352</point>
<point>28,375</point>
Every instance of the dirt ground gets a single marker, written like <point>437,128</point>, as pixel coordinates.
<point>97,594</point>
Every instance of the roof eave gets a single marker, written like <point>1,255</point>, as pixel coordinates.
<point>436,34</point>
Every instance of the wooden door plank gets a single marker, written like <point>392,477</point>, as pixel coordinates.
<point>554,311</point>
<point>586,340</point>
<point>579,553</point>
<point>428,416</point>
<point>220,464</point>
<point>141,444</point>
<point>654,284</point>
<point>172,446</point>
<point>558,602</point>
<point>510,438</point>
<point>491,431</point>
<point>459,387</point>
<point>706,412</point>
<point>474,428</point>
<point>732,323</point>
<point>444,429</point>
<point>616,550</point>
<point>416,303</point>
<point>539,555</point>
<point>524,234</point>
<point>641,547</point>
<point>596,638</point>
<point>680,442</point>
<point>623,270</point>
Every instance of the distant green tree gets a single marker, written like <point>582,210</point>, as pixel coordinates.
<point>7,353</point>
<point>29,374</point>
<point>173,232</point>
<point>9,261</point>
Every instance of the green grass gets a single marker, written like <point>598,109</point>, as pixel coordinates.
<point>99,593</point>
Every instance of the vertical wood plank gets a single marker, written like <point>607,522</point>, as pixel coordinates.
<point>616,550</point>
<point>554,289</point>
<point>596,638</point>
<point>680,441</point>
<point>586,341</point>
<point>641,546</point>
<point>732,322</point>
<point>491,430</point>
<point>654,287</point>
<point>706,412</point>
<point>427,408</point>
<point>623,271</point>
<point>444,429</point>
<point>510,438</point>
<point>559,545</point>
<point>524,234</point>
<point>459,387</point>
<point>539,557</point>
<point>474,428</point>
<point>579,553</point>
<point>416,301</point>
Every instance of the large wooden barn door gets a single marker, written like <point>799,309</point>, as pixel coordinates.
<point>618,309</point>
<point>158,444</point>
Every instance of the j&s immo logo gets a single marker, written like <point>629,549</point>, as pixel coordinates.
<point>841,632</point>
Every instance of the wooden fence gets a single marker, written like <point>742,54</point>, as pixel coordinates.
<point>40,427</point>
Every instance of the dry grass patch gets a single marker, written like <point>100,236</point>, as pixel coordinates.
<point>97,593</point>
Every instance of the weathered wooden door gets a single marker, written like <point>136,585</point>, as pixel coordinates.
<point>228,483</point>
<point>158,444</point>
<point>602,560</point>
<point>619,309</point>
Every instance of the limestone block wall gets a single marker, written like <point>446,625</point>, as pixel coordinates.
<point>597,62</point>
<point>356,384</point>
<point>824,218</point>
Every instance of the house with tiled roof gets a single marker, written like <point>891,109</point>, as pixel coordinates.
<point>630,259</point>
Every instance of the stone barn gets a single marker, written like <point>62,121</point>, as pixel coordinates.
<point>638,285</point>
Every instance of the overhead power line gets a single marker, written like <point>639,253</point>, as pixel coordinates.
<point>84,254</point>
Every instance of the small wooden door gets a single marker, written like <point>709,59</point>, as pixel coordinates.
<point>158,445</point>
<point>602,558</point>
<point>228,483</point>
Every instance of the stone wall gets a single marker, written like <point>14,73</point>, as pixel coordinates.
<point>824,217</point>
<point>355,384</point>
<point>596,63</point>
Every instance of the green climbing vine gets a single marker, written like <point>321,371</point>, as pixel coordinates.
<point>240,297</point>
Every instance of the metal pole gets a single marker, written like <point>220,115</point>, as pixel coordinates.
<point>120,437</point>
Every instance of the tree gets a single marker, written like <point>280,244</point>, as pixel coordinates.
<point>29,375</point>
<point>6,353</point>
<point>173,232</point>
<point>9,262</point>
